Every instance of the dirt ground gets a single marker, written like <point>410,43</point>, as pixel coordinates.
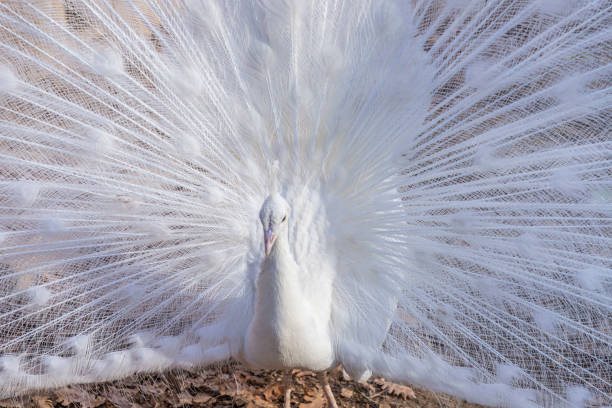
<point>233,386</point>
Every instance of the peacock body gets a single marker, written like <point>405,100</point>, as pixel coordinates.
<point>446,168</point>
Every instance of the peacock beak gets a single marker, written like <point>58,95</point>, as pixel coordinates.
<point>269,238</point>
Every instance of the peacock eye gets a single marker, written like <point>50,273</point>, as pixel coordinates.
<point>284,218</point>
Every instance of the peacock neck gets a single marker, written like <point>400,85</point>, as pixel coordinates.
<point>278,282</point>
<point>277,286</point>
<point>278,269</point>
<point>280,251</point>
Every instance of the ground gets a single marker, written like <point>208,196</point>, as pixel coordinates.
<point>233,386</point>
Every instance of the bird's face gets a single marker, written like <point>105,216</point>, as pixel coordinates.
<point>273,216</point>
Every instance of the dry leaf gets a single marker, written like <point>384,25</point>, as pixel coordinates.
<point>68,395</point>
<point>65,396</point>
<point>398,390</point>
<point>255,380</point>
<point>347,393</point>
<point>366,387</point>
<point>121,400</point>
<point>185,398</point>
<point>258,402</point>
<point>305,374</point>
<point>315,393</point>
<point>272,392</point>
<point>150,389</point>
<point>10,403</point>
<point>39,401</point>
<point>201,398</point>
<point>316,401</point>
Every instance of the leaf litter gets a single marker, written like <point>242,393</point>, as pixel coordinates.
<point>233,385</point>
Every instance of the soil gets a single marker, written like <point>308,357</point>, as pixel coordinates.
<point>234,386</point>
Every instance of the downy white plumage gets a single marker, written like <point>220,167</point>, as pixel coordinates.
<point>445,167</point>
<point>290,326</point>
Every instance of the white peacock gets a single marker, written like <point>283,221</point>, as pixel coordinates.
<point>416,189</point>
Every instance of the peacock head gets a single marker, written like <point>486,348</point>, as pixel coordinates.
<point>273,215</point>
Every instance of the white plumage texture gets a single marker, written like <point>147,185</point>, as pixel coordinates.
<point>447,166</point>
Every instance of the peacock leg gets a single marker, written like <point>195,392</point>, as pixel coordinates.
<point>287,385</point>
<point>331,401</point>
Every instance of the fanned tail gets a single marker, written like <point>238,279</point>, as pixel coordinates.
<point>507,193</point>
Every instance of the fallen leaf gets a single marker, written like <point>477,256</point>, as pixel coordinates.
<point>257,381</point>
<point>316,401</point>
<point>272,392</point>
<point>260,403</point>
<point>121,400</point>
<point>185,398</point>
<point>149,389</point>
<point>347,393</point>
<point>39,401</point>
<point>69,395</point>
<point>367,388</point>
<point>398,390</point>
<point>313,395</point>
<point>10,403</point>
<point>201,398</point>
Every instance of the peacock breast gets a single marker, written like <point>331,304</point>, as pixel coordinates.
<point>289,329</point>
